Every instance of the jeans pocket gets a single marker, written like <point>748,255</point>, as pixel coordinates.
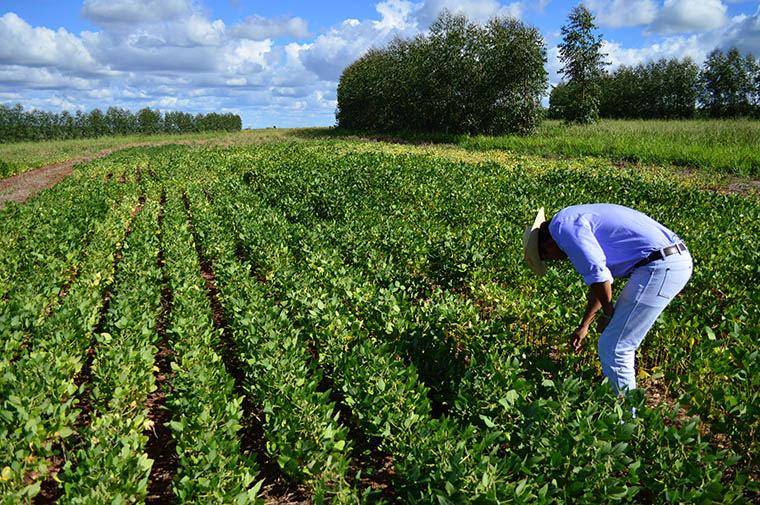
<point>672,283</point>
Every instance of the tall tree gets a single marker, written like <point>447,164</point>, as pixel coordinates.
<point>583,64</point>
<point>728,84</point>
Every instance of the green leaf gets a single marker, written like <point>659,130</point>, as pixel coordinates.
<point>487,421</point>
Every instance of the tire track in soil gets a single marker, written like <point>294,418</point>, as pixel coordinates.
<point>50,489</point>
<point>277,487</point>
<point>161,446</point>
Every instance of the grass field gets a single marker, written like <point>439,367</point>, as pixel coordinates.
<point>341,320</point>
<point>728,146</point>
<point>731,146</point>
<point>711,147</point>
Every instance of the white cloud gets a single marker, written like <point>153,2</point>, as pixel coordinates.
<point>133,11</point>
<point>247,55</point>
<point>672,47</point>
<point>202,32</point>
<point>619,13</point>
<point>744,33</point>
<point>332,51</point>
<point>673,16</point>
<point>258,28</point>
<point>478,10</point>
<point>395,15</point>
<point>22,44</point>
<point>678,16</point>
<point>22,78</point>
<point>173,55</point>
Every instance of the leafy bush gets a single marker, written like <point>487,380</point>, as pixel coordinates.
<point>461,77</point>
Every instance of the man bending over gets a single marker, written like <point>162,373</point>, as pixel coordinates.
<point>604,241</point>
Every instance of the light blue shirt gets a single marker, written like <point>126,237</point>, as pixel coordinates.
<point>604,240</point>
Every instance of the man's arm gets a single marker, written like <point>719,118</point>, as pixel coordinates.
<point>575,236</point>
<point>602,291</point>
<point>599,297</point>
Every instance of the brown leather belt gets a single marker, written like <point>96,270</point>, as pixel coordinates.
<point>661,254</point>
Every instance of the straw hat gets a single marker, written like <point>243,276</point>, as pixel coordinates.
<point>530,244</point>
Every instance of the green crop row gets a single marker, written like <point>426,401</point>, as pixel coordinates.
<point>206,413</point>
<point>428,225</point>
<point>381,293</point>
<point>303,432</point>
<point>38,389</point>
<point>493,391</point>
<point>45,258</point>
<point>383,393</point>
<point>110,463</point>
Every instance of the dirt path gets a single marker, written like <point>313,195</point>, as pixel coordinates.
<point>21,187</point>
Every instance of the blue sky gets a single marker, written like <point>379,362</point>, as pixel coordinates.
<point>278,63</point>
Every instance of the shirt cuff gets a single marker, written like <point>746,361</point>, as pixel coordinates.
<point>597,275</point>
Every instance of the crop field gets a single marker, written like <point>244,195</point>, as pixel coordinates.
<point>351,322</point>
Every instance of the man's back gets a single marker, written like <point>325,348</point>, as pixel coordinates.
<point>603,236</point>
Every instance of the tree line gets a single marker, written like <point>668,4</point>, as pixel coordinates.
<point>461,77</point>
<point>17,124</point>
<point>727,85</point>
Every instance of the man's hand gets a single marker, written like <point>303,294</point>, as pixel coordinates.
<point>576,339</point>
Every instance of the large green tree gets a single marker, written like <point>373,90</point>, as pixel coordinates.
<point>662,89</point>
<point>729,84</point>
<point>460,77</point>
<point>583,64</point>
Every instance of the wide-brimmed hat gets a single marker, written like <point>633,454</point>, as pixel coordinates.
<point>530,244</point>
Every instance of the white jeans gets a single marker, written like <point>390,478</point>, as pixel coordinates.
<point>649,290</point>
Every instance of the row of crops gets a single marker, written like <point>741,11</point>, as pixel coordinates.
<point>234,325</point>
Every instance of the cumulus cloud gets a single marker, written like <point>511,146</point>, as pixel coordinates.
<point>479,10</point>
<point>678,16</point>
<point>674,47</point>
<point>330,52</point>
<point>619,13</point>
<point>395,15</point>
<point>673,16</point>
<point>258,28</point>
<point>21,77</point>
<point>171,54</point>
<point>134,11</point>
<point>22,44</point>
<point>744,33</point>
<point>201,32</point>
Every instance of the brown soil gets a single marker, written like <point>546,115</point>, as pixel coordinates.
<point>161,446</point>
<point>741,187</point>
<point>21,187</point>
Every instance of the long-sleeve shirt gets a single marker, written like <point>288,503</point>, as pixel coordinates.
<point>604,240</point>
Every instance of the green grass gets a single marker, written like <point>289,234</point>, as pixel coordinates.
<point>722,146</point>
<point>19,157</point>
<point>731,146</point>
